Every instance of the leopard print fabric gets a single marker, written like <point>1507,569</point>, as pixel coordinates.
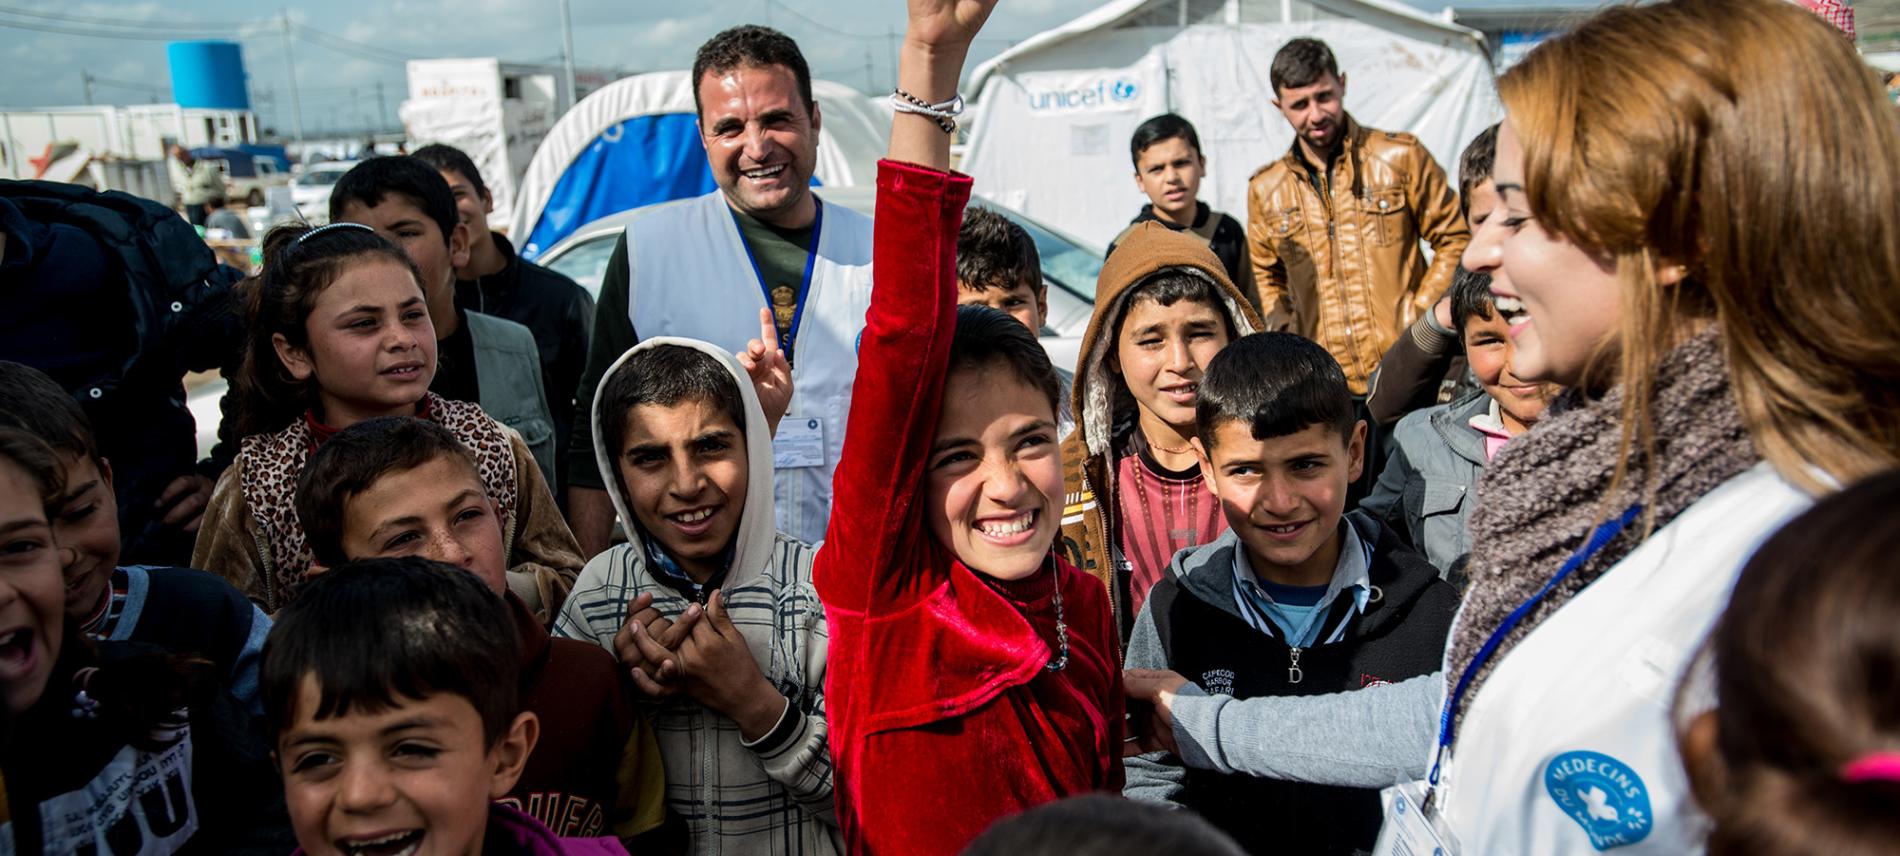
<point>270,464</point>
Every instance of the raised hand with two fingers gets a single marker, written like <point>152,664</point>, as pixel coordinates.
<point>764,361</point>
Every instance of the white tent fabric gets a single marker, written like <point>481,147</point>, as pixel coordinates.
<point>851,135</point>
<point>1056,112</point>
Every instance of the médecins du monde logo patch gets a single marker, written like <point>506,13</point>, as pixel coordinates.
<point>1603,795</point>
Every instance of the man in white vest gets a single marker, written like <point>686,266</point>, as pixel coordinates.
<point>703,268</point>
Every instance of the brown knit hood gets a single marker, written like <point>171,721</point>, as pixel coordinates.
<point>1101,401</point>
<point>1148,249</point>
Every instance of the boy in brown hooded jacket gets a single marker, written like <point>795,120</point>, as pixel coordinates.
<point>1133,491</point>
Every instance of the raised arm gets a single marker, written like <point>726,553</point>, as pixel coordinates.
<point>935,45</point>
<point>905,347</point>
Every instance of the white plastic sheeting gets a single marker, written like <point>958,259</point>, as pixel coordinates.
<point>466,104</point>
<point>1057,111</point>
<point>852,136</point>
<point>473,125</point>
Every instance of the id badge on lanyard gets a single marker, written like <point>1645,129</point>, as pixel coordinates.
<point>1411,827</point>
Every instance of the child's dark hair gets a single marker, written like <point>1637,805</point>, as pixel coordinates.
<point>754,46</point>
<point>994,252</point>
<point>1471,297</point>
<point>35,457</point>
<point>354,460</point>
<point>447,158</point>
<point>1167,126</point>
<point>1474,166</point>
<point>1301,62</point>
<point>373,632</point>
<point>1277,384</point>
<point>374,180</point>
<point>1102,825</point>
<point>1806,664</point>
<point>1170,286</point>
<point>279,300</point>
<point>665,375</point>
<point>988,337</point>
<point>36,404</point>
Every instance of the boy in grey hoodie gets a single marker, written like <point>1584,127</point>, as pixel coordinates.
<point>710,609</point>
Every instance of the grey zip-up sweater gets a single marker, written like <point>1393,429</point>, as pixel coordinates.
<point>773,796</point>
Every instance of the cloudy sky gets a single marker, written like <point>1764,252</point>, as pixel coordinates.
<point>345,48</point>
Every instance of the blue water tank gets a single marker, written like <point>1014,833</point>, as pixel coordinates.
<point>208,75</point>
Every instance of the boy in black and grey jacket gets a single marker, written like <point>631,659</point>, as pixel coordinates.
<point>1297,598</point>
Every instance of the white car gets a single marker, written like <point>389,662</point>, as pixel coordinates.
<point>1069,266</point>
<point>310,190</point>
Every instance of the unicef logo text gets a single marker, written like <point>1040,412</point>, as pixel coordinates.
<point>1103,93</point>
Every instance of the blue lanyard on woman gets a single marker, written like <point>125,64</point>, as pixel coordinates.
<point>1597,541</point>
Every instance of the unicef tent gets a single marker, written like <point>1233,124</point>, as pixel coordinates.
<point>1058,109</point>
<point>633,143</point>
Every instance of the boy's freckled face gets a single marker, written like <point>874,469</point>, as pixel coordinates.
<point>1020,301</point>
<point>413,780</point>
<point>1164,350</point>
<point>1283,496</point>
<point>86,526</point>
<point>439,510</point>
<point>993,481</point>
<point>1170,173</point>
<point>685,471</point>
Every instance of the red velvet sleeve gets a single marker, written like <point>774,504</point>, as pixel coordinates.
<point>895,400</point>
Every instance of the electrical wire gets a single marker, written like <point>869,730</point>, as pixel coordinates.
<point>177,30</point>
<point>131,35</point>
<point>122,22</point>
<point>346,45</point>
<point>127,84</point>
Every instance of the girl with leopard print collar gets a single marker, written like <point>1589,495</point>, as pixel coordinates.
<point>340,333</point>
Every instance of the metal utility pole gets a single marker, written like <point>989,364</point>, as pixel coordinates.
<point>85,82</point>
<point>382,108</point>
<point>290,68</point>
<point>567,55</point>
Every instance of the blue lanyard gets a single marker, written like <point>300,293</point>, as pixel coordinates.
<point>1598,540</point>
<point>787,338</point>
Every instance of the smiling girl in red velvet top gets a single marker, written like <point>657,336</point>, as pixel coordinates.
<point>972,674</point>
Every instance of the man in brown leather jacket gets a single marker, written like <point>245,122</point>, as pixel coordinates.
<point>1333,227</point>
